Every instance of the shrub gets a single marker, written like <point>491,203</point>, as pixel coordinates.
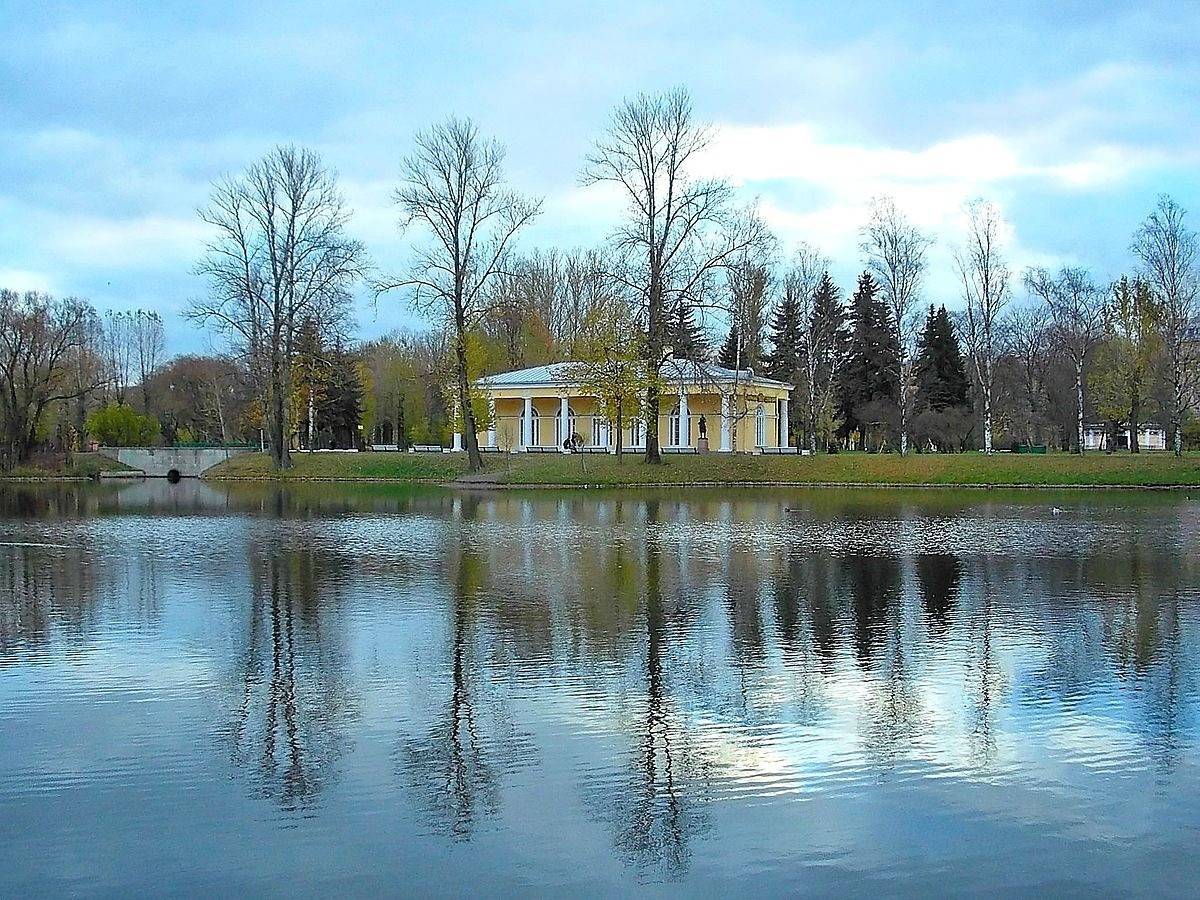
<point>116,425</point>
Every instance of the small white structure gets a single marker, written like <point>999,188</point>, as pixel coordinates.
<point>1150,437</point>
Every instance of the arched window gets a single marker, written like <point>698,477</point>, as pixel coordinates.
<point>532,427</point>
<point>559,437</point>
<point>637,433</point>
<point>674,427</point>
<point>760,427</point>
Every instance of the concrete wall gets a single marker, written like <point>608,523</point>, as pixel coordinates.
<point>159,462</point>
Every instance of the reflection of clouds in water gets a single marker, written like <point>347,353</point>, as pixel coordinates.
<point>670,669</point>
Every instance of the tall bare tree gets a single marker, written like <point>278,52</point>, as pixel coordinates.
<point>41,342</point>
<point>119,351</point>
<point>1168,252</point>
<point>1026,343</point>
<point>678,232</point>
<point>149,343</point>
<point>895,253</point>
<point>985,287</point>
<point>452,185</point>
<point>1076,307</point>
<point>279,256</point>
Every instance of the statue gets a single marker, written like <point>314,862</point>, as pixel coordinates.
<point>703,427</point>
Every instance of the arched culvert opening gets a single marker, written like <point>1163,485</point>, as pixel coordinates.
<point>173,476</point>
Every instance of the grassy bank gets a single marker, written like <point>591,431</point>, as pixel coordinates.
<point>83,465</point>
<point>1118,470</point>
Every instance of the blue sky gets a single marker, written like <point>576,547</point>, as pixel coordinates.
<point>117,116</point>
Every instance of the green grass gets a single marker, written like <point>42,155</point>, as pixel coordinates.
<point>407,467</point>
<point>1003,469</point>
<point>83,465</point>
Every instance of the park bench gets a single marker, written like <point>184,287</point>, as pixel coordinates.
<point>542,450</point>
<point>426,448</point>
<point>779,451</point>
<point>486,449</point>
<point>679,450</point>
<point>591,450</point>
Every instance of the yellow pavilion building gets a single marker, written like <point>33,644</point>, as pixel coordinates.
<point>702,405</point>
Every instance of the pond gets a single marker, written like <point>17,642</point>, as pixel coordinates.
<point>237,690</point>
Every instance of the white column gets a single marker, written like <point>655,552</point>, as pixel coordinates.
<point>527,423</point>
<point>456,444</point>
<point>684,424</point>
<point>725,435</point>
<point>783,422</point>
<point>491,421</point>
<point>564,422</point>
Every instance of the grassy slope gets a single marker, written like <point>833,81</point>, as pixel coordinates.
<point>83,465</point>
<point>845,468</point>
<point>414,467</point>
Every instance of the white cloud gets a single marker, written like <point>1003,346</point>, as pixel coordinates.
<point>157,241</point>
<point>26,280</point>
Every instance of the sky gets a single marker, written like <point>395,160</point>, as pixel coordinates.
<point>117,117</point>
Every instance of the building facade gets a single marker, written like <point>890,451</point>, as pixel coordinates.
<point>1150,437</point>
<point>542,408</point>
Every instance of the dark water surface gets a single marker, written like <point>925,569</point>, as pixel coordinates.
<point>229,691</point>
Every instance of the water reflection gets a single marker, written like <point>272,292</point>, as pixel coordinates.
<point>691,677</point>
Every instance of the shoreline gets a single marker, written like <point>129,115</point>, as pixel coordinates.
<point>483,485</point>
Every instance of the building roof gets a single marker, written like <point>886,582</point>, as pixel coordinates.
<point>555,375</point>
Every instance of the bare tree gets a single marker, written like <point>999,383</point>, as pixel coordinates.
<point>895,253</point>
<point>1167,249</point>
<point>678,231</point>
<point>119,352</point>
<point>41,341</point>
<point>985,286</point>
<point>279,257</point>
<point>1026,343</point>
<point>1076,307</point>
<point>452,185</point>
<point>149,342</point>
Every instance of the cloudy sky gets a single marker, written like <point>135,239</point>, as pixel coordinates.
<point>116,117</point>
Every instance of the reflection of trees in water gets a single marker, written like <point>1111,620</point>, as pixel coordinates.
<point>46,594</point>
<point>657,805</point>
<point>874,588</point>
<point>893,711</point>
<point>938,575</point>
<point>455,769</point>
<point>985,681</point>
<point>295,706</point>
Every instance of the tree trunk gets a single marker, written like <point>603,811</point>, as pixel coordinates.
<point>652,452</point>
<point>654,354</point>
<point>474,458</point>
<point>620,419</point>
<point>903,406</point>
<point>401,438</point>
<point>987,419</point>
<point>1079,405</point>
<point>1135,417</point>
<point>1177,402</point>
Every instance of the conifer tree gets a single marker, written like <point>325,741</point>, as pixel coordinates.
<point>823,352</point>
<point>940,373</point>
<point>687,338</point>
<point>786,332</point>
<point>733,353</point>
<point>869,380</point>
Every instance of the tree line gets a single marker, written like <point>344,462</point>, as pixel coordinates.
<point>687,273</point>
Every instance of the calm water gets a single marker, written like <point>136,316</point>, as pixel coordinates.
<point>295,692</point>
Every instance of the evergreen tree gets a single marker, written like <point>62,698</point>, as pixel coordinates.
<point>734,354</point>
<point>339,410</point>
<point>688,340</point>
<point>786,339</point>
<point>940,373</point>
<point>869,381</point>
<point>824,337</point>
